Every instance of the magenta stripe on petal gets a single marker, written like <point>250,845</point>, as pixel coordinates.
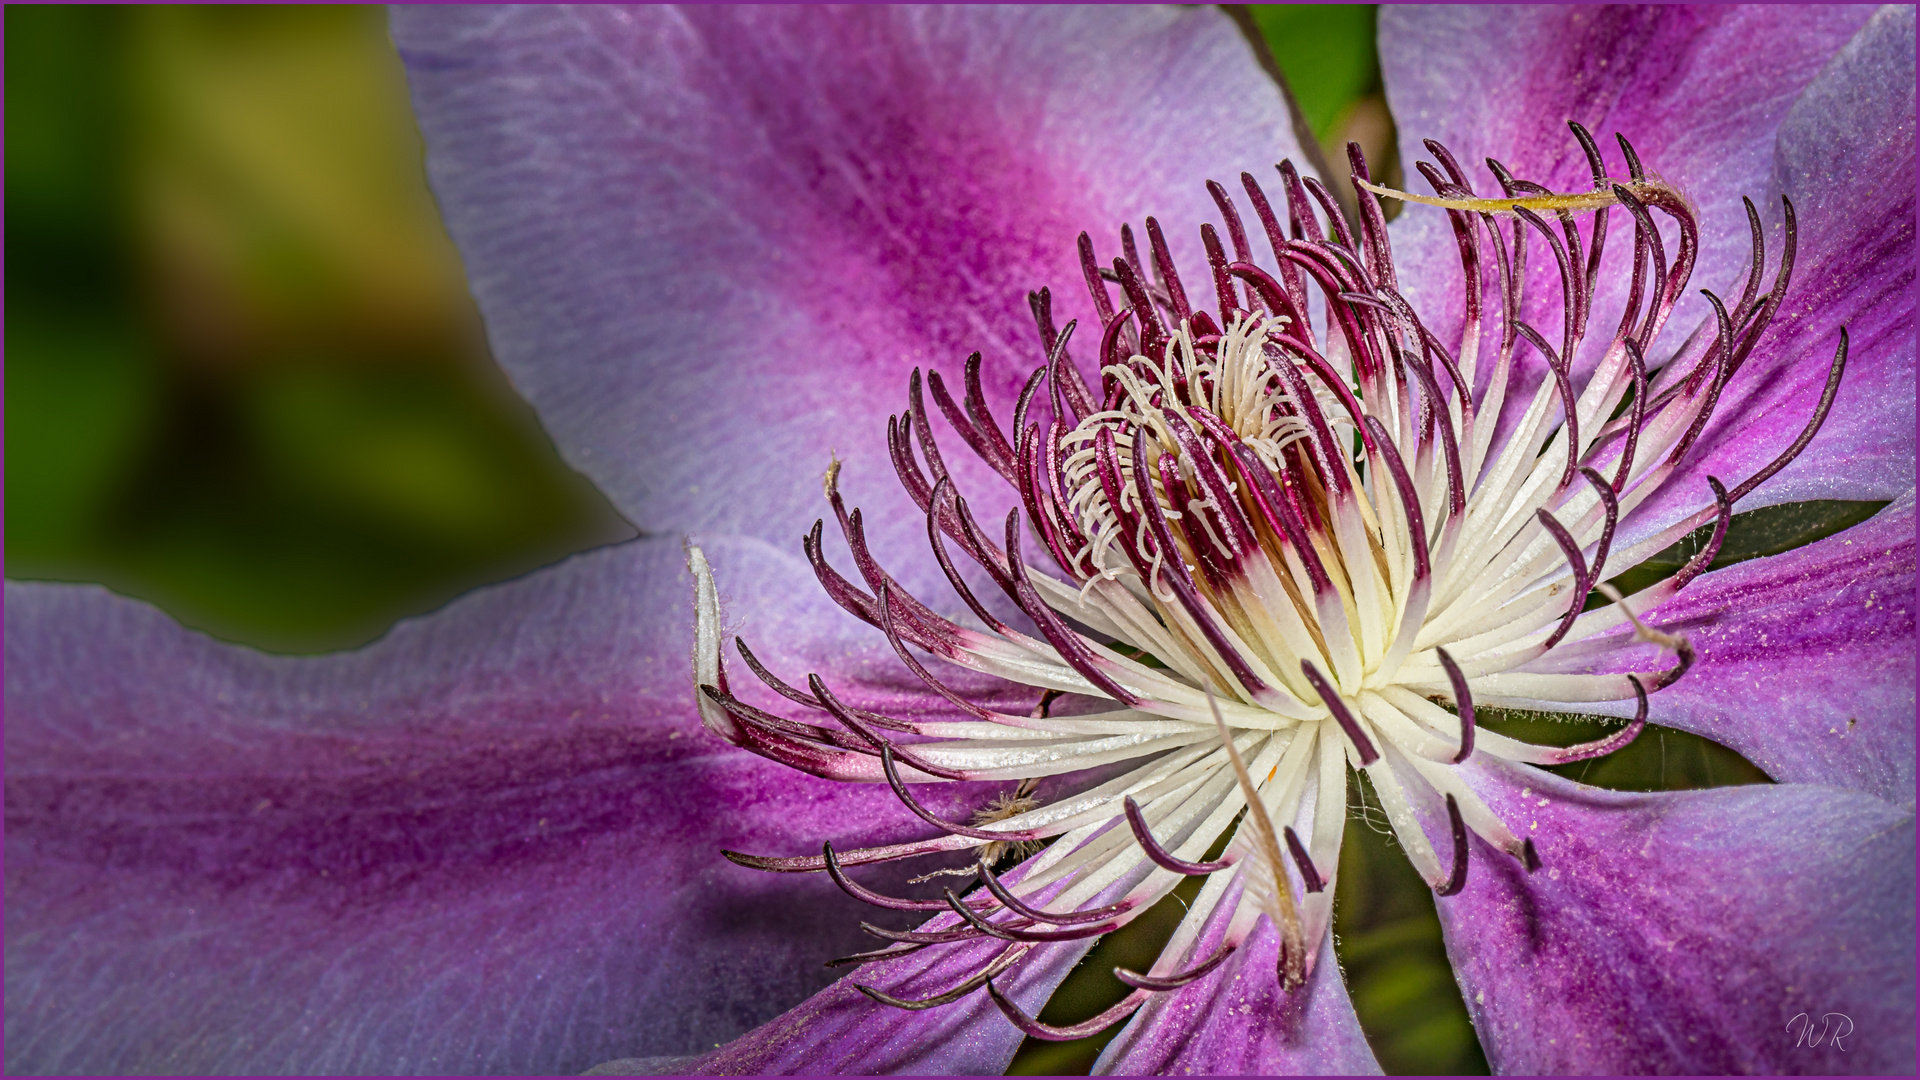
<point>487,843</point>
<point>1235,1021</point>
<point>1704,94</point>
<point>1687,932</point>
<point>1804,662</point>
<point>711,242</point>
<point>1846,158</point>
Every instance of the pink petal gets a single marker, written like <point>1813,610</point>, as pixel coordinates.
<point>1723,102</point>
<point>1235,1021</point>
<point>840,1031</point>
<point>487,843</point>
<point>1684,932</point>
<point>1846,158</point>
<point>1805,660</point>
<point>710,243</point>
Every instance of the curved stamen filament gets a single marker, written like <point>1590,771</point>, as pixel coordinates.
<point>1282,551</point>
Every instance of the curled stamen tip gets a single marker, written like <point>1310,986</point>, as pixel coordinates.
<point>1458,879</point>
<point>885,998</point>
<point>1049,1033</point>
<point>1529,855</point>
<point>1309,874</point>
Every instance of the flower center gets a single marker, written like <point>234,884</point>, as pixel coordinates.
<point>1300,535</point>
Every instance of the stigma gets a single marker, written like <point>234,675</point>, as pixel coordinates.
<point>1301,534</point>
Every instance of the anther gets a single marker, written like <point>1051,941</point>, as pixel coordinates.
<point>1618,740</point>
<point>1000,963</point>
<point>1178,979</point>
<point>1458,880</point>
<point>1056,918</point>
<point>1008,932</point>
<point>1361,744</point>
<point>1309,874</point>
<point>1161,856</point>
<point>1462,700</point>
<point>1049,1033</point>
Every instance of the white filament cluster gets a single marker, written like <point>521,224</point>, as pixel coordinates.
<point>1225,717</point>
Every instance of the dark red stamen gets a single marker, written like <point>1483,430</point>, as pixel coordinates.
<point>1330,206</point>
<point>1581,584</point>
<point>1167,274</point>
<point>1649,234</point>
<point>1008,932</point>
<point>1278,513</point>
<point>1723,505</point>
<point>1611,506</point>
<point>1409,500</point>
<point>1569,291</point>
<point>838,589</point>
<point>1373,222</point>
<point>1161,856</point>
<point>887,753</point>
<point>890,952</point>
<point>1309,874</point>
<point>887,748</point>
<point>900,450</point>
<point>1057,918</point>
<point>1000,963</point>
<point>748,714</point>
<point>813,864</point>
<point>1599,169</point>
<point>1178,979</point>
<point>1049,1033</point>
<point>868,896</point>
<point>1096,287</point>
<point>1722,353</point>
<point>935,540</point>
<point>1806,435</point>
<point>1618,740</point>
<point>924,937</point>
<point>1153,330</point>
<point>1223,289</point>
<point>1563,385</point>
<point>1458,880</point>
<point>1361,744</point>
<point>1065,641</point>
<point>1638,364</point>
<point>913,664</point>
<point>1462,700</point>
<point>1174,573</point>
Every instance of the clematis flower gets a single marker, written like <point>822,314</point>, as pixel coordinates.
<point>712,247</point>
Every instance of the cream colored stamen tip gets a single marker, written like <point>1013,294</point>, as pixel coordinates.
<point>831,481</point>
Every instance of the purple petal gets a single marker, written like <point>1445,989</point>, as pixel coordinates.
<point>839,1031</point>
<point>487,843</point>
<point>1846,158</point>
<point>1684,932</point>
<point>710,243</point>
<point>1703,93</point>
<point>1700,91</point>
<point>1805,660</point>
<point>1236,1021</point>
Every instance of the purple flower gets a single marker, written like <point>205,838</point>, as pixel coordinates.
<point>711,245</point>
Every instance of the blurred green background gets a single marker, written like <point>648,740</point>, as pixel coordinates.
<point>244,377</point>
<point>245,381</point>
